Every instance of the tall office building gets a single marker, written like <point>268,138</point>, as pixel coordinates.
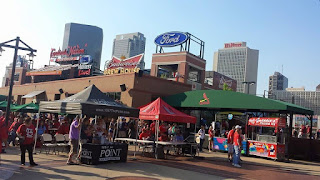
<point>277,82</point>
<point>238,62</point>
<point>129,45</point>
<point>87,37</point>
<point>299,96</point>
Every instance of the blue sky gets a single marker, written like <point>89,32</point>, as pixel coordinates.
<point>286,32</point>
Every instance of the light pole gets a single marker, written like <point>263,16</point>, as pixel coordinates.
<point>248,83</point>
<point>16,48</point>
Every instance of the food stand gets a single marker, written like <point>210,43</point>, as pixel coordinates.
<point>267,137</point>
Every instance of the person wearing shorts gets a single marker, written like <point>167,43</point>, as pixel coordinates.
<point>74,139</point>
<point>230,143</point>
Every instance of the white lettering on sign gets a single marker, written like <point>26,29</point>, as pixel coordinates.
<point>166,38</point>
<point>110,153</point>
<point>84,66</point>
<point>86,154</point>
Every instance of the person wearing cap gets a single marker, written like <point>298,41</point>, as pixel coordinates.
<point>237,146</point>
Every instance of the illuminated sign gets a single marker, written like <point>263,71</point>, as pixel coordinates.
<point>231,45</point>
<point>84,72</point>
<point>118,66</point>
<point>85,59</point>
<point>171,39</point>
<point>43,73</point>
<point>84,66</point>
<point>65,59</point>
<point>68,54</point>
<point>267,122</point>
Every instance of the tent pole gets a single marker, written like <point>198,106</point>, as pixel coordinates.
<point>36,135</point>
<point>79,140</point>
<point>135,145</point>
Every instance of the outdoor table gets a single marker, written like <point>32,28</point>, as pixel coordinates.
<point>101,153</point>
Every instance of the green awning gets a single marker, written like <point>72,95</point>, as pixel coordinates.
<point>31,107</point>
<point>3,105</point>
<point>231,101</point>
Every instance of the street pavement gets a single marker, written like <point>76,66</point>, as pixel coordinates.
<point>212,165</point>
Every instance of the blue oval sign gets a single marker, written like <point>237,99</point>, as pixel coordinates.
<point>171,39</point>
<point>86,59</point>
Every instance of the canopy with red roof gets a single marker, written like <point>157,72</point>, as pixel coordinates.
<point>160,110</point>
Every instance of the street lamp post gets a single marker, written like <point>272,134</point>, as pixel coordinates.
<point>16,48</point>
<point>248,83</point>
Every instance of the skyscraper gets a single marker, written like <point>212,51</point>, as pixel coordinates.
<point>88,37</point>
<point>238,62</point>
<point>129,45</point>
<point>277,82</point>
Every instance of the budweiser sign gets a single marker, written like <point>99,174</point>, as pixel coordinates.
<point>118,66</point>
<point>70,51</point>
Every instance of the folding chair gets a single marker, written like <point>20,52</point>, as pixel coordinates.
<point>48,143</point>
<point>61,142</point>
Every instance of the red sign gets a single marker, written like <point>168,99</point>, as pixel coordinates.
<point>205,100</point>
<point>230,45</point>
<point>271,150</point>
<point>267,122</point>
<point>84,72</point>
<point>75,50</point>
<point>117,66</point>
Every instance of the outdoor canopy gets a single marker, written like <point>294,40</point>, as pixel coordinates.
<point>90,101</point>
<point>160,110</point>
<point>232,101</point>
<point>31,108</point>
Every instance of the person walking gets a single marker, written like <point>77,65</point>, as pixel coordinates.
<point>201,134</point>
<point>211,135</point>
<point>74,139</point>
<point>230,143</point>
<point>237,146</point>
<point>26,133</point>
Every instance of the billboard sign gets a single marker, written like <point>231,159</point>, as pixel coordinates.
<point>170,39</point>
<point>267,122</point>
<point>72,53</point>
<point>118,66</point>
<point>86,59</point>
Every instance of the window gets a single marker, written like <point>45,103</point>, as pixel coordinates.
<point>16,77</point>
<point>114,95</point>
<point>57,96</point>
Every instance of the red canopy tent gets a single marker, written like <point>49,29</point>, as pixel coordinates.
<point>160,110</point>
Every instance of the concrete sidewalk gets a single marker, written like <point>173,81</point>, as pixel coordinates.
<point>54,167</point>
<point>214,165</point>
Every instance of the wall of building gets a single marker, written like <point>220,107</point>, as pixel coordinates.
<point>140,90</point>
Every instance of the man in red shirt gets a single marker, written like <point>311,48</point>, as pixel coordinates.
<point>230,143</point>
<point>144,135</point>
<point>26,133</point>
<point>3,131</point>
<point>237,146</point>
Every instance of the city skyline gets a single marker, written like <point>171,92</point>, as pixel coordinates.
<point>285,35</point>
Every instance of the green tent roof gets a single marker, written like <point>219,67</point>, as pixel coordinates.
<point>228,100</point>
<point>31,107</point>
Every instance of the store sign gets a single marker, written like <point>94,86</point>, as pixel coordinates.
<point>263,149</point>
<point>43,73</point>
<point>231,45</point>
<point>69,54</point>
<point>84,72</point>
<point>86,59</point>
<point>118,66</point>
<point>171,39</point>
<point>267,122</point>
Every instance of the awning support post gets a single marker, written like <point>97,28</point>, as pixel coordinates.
<point>36,135</point>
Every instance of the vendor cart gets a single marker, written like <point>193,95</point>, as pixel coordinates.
<point>267,137</point>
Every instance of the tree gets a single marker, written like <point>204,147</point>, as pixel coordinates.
<point>226,87</point>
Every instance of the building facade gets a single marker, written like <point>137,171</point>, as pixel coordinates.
<point>87,37</point>
<point>298,96</point>
<point>240,63</point>
<point>277,81</point>
<point>129,45</point>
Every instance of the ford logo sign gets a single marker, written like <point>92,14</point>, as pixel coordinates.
<point>85,59</point>
<point>171,39</point>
